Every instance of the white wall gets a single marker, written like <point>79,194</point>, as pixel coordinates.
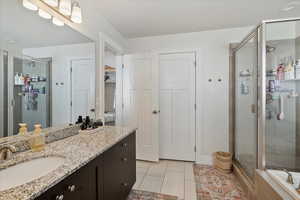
<point>61,56</point>
<point>212,97</point>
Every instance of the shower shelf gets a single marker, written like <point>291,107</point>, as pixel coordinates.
<point>290,80</point>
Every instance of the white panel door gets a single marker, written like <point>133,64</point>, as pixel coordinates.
<point>82,88</point>
<point>177,106</point>
<point>140,100</point>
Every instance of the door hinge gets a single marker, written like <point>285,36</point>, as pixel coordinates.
<point>195,106</point>
<point>71,103</point>
<point>123,105</point>
<point>195,63</point>
<point>123,66</point>
<point>71,69</point>
<point>195,149</point>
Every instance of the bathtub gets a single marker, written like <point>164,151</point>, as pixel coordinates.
<point>280,177</point>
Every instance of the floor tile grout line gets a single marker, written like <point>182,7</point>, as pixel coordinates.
<point>164,176</point>
<point>145,174</point>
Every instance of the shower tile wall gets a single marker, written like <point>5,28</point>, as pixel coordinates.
<point>281,135</point>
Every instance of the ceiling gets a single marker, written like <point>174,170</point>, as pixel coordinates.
<point>26,29</point>
<point>140,18</point>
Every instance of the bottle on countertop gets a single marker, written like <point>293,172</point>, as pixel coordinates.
<point>22,129</point>
<point>79,120</point>
<point>37,140</point>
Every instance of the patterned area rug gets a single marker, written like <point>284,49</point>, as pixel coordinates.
<point>214,185</point>
<point>144,195</point>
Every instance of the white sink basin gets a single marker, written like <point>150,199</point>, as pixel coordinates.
<point>28,171</point>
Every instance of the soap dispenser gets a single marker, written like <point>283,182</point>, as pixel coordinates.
<point>22,129</point>
<point>37,141</point>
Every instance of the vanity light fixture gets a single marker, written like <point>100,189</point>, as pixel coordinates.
<point>27,4</point>
<point>59,10</point>
<point>53,3</point>
<point>57,22</point>
<point>76,13</point>
<point>44,14</point>
<point>65,7</point>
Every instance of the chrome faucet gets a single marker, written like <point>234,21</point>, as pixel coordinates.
<point>6,151</point>
<point>290,178</point>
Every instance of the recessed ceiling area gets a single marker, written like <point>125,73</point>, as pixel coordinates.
<point>140,18</point>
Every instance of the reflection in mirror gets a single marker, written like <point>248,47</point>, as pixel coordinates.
<point>41,70</point>
<point>112,87</point>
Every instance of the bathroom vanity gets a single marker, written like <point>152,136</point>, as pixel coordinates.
<point>97,165</point>
<point>110,175</point>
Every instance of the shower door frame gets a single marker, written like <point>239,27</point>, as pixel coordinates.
<point>261,91</point>
<point>234,48</point>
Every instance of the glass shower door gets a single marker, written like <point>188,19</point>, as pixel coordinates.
<point>245,148</point>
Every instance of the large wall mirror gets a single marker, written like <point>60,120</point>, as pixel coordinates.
<point>113,86</point>
<point>47,72</point>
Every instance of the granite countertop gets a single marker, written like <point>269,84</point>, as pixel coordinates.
<point>77,150</point>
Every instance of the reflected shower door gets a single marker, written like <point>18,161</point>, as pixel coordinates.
<point>245,148</point>
<point>4,93</point>
<point>31,92</point>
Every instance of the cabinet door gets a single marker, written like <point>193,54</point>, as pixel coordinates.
<point>81,185</point>
<point>119,169</point>
<point>112,175</point>
<point>128,164</point>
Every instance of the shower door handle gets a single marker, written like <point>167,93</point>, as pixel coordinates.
<point>13,103</point>
<point>253,108</point>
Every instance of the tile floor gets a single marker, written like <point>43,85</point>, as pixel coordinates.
<point>167,177</point>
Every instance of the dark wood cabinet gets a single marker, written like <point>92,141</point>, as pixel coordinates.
<point>119,171</point>
<point>108,177</point>
<point>81,185</point>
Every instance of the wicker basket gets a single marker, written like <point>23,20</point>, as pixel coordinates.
<point>222,161</point>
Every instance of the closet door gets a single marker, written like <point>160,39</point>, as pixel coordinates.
<point>141,103</point>
<point>177,105</point>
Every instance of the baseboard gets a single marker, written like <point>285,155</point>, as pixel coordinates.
<point>204,160</point>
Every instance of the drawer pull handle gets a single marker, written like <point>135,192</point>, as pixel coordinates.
<point>125,145</point>
<point>71,188</point>
<point>59,197</point>
<point>124,159</point>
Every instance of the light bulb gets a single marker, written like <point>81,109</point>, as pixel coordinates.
<point>44,14</point>
<point>27,4</point>
<point>53,3</point>
<point>65,7</point>
<point>57,22</point>
<point>76,13</point>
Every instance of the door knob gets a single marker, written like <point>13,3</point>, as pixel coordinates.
<point>92,110</point>
<point>155,112</point>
